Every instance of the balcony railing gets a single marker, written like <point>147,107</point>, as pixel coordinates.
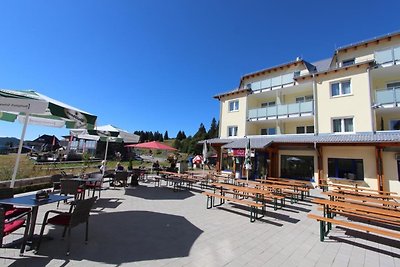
<point>389,96</point>
<point>389,56</point>
<point>282,111</point>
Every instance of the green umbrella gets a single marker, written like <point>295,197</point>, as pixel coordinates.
<point>31,107</point>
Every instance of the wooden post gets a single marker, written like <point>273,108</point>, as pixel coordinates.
<point>379,167</point>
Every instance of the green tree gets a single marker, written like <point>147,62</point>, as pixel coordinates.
<point>166,135</point>
<point>214,129</point>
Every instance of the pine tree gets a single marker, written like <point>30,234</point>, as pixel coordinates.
<point>166,135</point>
<point>213,131</point>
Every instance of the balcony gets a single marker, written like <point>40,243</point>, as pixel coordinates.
<point>389,97</point>
<point>282,111</point>
<point>388,57</point>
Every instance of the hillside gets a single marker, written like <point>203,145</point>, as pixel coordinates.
<point>5,141</point>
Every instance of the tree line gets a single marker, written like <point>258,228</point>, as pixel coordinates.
<point>185,144</point>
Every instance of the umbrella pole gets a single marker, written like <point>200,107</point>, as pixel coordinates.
<point>247,175</point>
<point>105,156</point>
<point>21,142</point>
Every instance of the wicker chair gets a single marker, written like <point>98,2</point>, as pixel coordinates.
<point>95,185</point>
<point>121,177</point>
<point>79,214</point>
<point>7,226</point>
<point>9,210</point>
<point>71,187</point>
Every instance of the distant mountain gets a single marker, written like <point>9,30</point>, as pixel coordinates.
<point>7,141</point>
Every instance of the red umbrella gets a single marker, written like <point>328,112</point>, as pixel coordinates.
<point>152,145</point>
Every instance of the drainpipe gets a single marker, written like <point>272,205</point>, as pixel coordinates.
<point>315,97</point>
<point>373,109</point>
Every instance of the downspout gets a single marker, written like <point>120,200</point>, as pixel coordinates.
<point>373,111</point>
<point>315,96</point>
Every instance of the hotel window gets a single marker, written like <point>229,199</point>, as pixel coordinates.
<point>233,105</point>
<point>393,85</point>
<point>232,130</point>
<point>348,62</point>
<point>340,88</point>
<point>304,98</point>
<point>304,129</point>
<point>344,125</point>
<point>394,125</point>
<point>268,104</point>
<point>352,169</point>
<point>268,131</point>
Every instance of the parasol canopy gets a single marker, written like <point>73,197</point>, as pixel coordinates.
<point>31,107</point>
<point>152,145</point>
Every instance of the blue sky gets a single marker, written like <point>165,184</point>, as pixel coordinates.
<point>155,65</point>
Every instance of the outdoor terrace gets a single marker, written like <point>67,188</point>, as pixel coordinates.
<point>155,226</point>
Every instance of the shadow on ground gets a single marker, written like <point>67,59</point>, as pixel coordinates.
<point>158,193</point>
<point>123,237</point>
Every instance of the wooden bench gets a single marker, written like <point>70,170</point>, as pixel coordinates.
<point>324,230</point>
<point>254,206</point>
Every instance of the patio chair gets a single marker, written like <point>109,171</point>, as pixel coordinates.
<point>121,177</point>
<point>71,187</point>
<point>56,180</point>
<point>9,210</point>
<point>7,226</point>
<point>75,216</point>
<point>95,185</point>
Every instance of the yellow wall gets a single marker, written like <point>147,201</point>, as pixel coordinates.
<point>290,127</point>
<point>356,105</point>
<point>367,154</point>
<point>236,118</point>
<point>391,179</point>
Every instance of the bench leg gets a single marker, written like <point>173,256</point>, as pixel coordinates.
<point>321,231</point>
<point>275,204</point>
<point>210,202</point>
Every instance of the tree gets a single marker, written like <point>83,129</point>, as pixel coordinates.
<point>201,133</point>
<point>166,135</point>
<point>214,129</point>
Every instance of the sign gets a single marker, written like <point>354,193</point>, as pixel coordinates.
<point>239,152</point>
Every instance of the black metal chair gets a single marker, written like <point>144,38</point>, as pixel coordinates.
<point>97,185</point>
<point>56,180</point>
<point>78,213</point>
<point>7,226</point>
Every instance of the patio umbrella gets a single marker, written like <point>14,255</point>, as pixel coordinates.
<point>31,107</point>
<point>247,159</point>
<point>152,145</point>
<point>204,154</point>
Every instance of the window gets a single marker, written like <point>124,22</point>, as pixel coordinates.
<point>268,104</point>
<point>352,169</point>
<point>393,85</point>
<point>304,98</point>
<point>232,130</point>
<point>394,125</point>
<point>304,129</point>
<point>348,62</point>
<point>343,125</point>
<point>340,88</point>
<point>234,105</point>
<point>268,131</point>
<point>297,167</point>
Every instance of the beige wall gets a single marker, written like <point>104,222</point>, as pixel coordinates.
<point>290,127</point>
<point>391,179</point>
<point>356,105</point>
<point>236,118</point>
<point>367,154</point>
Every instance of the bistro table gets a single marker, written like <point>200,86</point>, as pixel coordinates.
<point>90,180</point>
<point>31,202</point>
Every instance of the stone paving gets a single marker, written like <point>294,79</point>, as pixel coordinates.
<point>155,226</point>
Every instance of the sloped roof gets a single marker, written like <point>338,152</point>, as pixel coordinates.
<point>357,138</point>
<point>368,41</point>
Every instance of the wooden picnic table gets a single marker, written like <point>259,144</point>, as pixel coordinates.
<point>357,188</point>
<point>366,194</point>
<point>363,200</point>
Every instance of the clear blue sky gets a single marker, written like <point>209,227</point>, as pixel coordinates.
<point>154,64</point>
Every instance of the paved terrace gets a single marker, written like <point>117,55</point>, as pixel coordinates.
<point>151,226</point>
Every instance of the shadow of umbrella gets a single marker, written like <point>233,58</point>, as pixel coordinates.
<point>125,237</point>
<point>157,193</point>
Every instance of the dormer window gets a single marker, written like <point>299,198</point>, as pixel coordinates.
<point>348,62</point>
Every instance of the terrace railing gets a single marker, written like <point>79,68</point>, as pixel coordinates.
<point>282,111</point>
